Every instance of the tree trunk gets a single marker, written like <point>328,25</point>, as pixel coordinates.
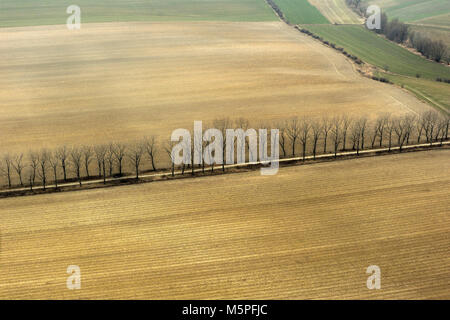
<point>315,149</point>
<point>43,179</point>
<point>153,162</point>
<point>104,172</point>
<point>64,170</point>
<point>87,169</point>
<point>56,178</point>
<point>79,175</point>
<point>99,168</point>
<point>293,148</point>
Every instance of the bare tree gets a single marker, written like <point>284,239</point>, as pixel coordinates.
<point>409,122</point>
<point>293,132</point>
<point>382,122</point>
<point>446,126</point>
<point>356,136</point>
<point>440,127</point>
<point>100,155</point>
<point>200,149</point>
<point>53,160</point>
<point>62,154</point>
<point>443,123</point>
<point>399,130</point>
<point>168,148</point>
<point>430,119</point>
<point>135,153</point>
<point>98,158</point>
<point>363,127</point>
<point>6,170</point>
<point>373,134</point>
<point>378,130</point>
<point>390,131</point>
<point>151,149</point>
<point>43,163</point>
<point>119,151</point>
<point>19,166</point>
<point>76,158</point>
<point>197,148</point>
<point>346,123</point>
<point>305,128</point>
<point>110,158</point>
<point>326,127</point>
<point>87,158</point>
<point>282,129</point>
<point>222,125</point>
<point>420,127</point>
<point>240,123</point>
<point>336,133</point>
<point>316,131</point>
<point>34,165</point>
<point>30,174</point>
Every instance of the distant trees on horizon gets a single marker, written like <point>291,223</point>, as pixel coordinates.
<point>401,33</point>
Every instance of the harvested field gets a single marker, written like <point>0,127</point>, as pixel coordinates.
<point>308,232</point>
<point>337,11</point>
<point>121,81</point>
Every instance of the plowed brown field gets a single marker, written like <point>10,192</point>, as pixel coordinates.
<point>308,232</point>
<point>121,81</point>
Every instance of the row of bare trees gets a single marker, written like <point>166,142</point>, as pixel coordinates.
<point>77,161</point>
<point>354,133</point>
<point>298,137</point>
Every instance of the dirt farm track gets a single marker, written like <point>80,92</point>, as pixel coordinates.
<point>308,232</point>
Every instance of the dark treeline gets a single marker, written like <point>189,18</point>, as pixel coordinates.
<point>277,10</point>
<point>299,137</point>
<point>75,163</point>
<point>330,44</point>
<point>401,33</point>
<point>358,6</point>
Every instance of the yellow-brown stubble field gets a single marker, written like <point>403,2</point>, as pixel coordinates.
<point>120,81</point>
<point>308,232</point>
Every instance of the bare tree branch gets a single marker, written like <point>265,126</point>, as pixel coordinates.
<point>76,159</point>
<point>135,153</point>
<point>87,158</point>
<point>19,166</point>
<point>151,148</point>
